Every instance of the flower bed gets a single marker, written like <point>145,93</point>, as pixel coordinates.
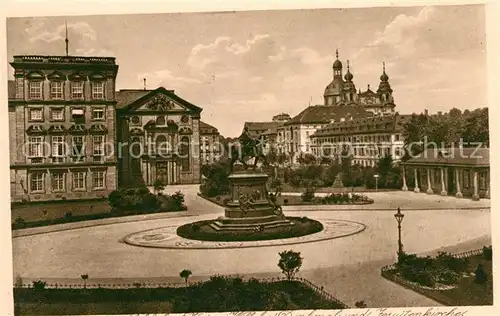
<point>202,231</point>
<point>448,279</point>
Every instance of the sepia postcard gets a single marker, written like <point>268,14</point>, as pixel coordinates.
<point>247,158</point>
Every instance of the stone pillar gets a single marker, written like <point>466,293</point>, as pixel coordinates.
<point>429,185</point>
<point>443,187</point>
<point>457,183</point>
<point>487,194</point>
<point>404,188</point>
<point>417,189</point>
<point>475,196</point>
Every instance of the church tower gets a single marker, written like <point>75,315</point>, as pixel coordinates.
<point>350,95</point>
<point>384,88</point>
<point>334,91</point>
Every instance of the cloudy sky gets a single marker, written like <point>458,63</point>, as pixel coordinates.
<point>248,66</point>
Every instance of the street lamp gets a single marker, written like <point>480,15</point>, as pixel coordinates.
<point>399,218</point>
<point>376,176</point>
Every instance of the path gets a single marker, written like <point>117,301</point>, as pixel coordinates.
<point>348,267</point>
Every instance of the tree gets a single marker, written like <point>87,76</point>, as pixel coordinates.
<point>290,263</point>
<point>158,186</point>
<point>384,165</point>
<point>272,156</point>
<point>39,285</point>
<point>84,277</point>
<point>282,159</point>
<point>185,274</point>
<point>306,159</point>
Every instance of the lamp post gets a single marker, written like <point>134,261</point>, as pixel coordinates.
<point>376,176</point>
<point>399,218</point>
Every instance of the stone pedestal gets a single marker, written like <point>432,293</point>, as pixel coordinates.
<point>249,207</point>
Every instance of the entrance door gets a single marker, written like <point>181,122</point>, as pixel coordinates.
<point>162,171</point>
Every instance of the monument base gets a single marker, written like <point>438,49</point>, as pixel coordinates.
<point>250,208</point>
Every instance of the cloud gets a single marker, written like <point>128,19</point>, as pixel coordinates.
<point>166,78</point>
<point>82,30</point>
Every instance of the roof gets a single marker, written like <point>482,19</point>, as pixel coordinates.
<point>129,97</point>
<point>11,89</point>
<point>324,114</point>
<point>478,157</point>
<point>207,128</point>
<point>389,123</point>
<point>126,97</point>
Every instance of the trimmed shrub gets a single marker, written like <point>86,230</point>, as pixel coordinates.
<point>480,275</point>
<point>488,253</point>
<point>308,194</point>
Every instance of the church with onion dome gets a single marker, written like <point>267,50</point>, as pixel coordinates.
<point>342,91</point>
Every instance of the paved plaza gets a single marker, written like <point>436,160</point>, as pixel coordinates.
<point>348,267</point>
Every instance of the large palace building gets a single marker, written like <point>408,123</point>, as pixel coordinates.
<point>73,136</point>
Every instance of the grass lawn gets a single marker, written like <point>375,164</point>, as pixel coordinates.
<point>202,231</point>
<point>468,292</point>
<point>60,212</point>
<point>217,295</point>
<point>52,210</point>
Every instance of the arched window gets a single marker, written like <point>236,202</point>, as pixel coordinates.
<point>135,147</point>
<point>161,145</point>
<point>160,121</point>
<point>184,153</point>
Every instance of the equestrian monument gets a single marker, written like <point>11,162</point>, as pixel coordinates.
<point>250,206</point>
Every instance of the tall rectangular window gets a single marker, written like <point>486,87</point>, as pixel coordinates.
<point>98,179</point>
<point>78,148</point>
<point>466,179</point>
<point>78,180</point>
<point>35,91</point>
<point>58,181</point>
<point>77,90</point>
<point>98,90</point>
<point>98,145</point>
<point>58,146</point>
<point>184,153</point>
<point>36,114</point>
<point>36,182</point>
<point>35,146</point>
<point>56,90</point>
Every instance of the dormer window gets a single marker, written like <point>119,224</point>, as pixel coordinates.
<point>77,90</point>
<point>35,91</point>
<point>98,90</point>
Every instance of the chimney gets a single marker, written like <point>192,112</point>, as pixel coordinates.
<point>144,83</point>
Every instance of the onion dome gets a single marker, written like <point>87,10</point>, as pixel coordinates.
<point>384,76</point>
<point>348,76</point>
<point>337,64</point>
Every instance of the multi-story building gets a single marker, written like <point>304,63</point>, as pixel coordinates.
<point>158,138</point>
<point>210,143</point>
<point>62,127</point>
<point>294,136</point>
<point>366,139</point>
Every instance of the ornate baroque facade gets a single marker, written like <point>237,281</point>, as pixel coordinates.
<point>159,135</point>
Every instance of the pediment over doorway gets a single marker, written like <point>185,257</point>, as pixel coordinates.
<point>156,101</point>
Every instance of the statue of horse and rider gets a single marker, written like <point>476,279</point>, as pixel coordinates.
<point>247,147</point>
